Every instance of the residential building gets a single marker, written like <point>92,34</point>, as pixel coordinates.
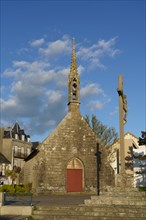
<point>15,146</point>
<point>133,165</point>
<point>4,165</point>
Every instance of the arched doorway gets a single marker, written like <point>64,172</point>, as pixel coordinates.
<point>74,177</point>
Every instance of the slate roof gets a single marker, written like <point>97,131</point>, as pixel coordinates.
<point>35,145</point>
<point>10,132</point>
<point>3,159</point>
<point>31,155</point>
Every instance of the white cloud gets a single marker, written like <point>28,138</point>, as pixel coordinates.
<point>54,96</point>
<point>115,111</point>
<point>90,89</point>
<point>20,68</point>
<point>37,43</point>
<point>58,47</point>
<point>81,69</point>
<point>96,52</point>
<point>10,103</point>
<point>10,72</point>
<point>38,88</point>
<point>31,66</point>
<point>95,105</point>
<point>62,77</point>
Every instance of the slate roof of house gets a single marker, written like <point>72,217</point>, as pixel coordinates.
<point>31,155</point>
<point>3,159</point>
<point>10,132</point>
<point>35,144</point>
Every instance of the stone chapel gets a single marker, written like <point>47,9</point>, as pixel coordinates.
<point>65,161</point>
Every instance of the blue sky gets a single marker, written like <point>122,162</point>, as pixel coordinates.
<point>36,54</point>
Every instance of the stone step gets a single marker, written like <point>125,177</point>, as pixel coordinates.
<point>129,193</point>
<point>143,198</point>
<point>122,199</point>
<point>115,202</point>
<point>109,206</point>
<point>65,217</point>
<point>82,208</point>
<point>97,214</point>
<point>84,212</point>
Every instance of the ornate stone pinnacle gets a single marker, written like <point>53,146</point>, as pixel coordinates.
<point>73,61</point>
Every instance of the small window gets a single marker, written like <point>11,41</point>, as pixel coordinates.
<point>74,91</point>
<point>22,137</point>
<point>74,80</point>
<point>28,151</point>
<point>74,96</point>
<point>16,136</point>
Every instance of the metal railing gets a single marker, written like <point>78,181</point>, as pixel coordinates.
<point>18,198</point>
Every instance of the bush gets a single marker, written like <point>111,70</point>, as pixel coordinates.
<point>7,188</point>
<point>19,189</point>
<point>15,188</point>
<point>142,188</point>
<point>29,218</point>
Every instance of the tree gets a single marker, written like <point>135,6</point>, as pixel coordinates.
<point>136,161</point>
<point>142,139</point>
<point>12,174</point>
<point>105,135</point>
<point>142,157</point>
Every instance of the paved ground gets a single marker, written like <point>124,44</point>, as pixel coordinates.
<point>49,201</point>
<point>13,218</point>
<point>60,200</point>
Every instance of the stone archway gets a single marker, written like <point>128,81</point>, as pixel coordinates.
<point>74,176</point>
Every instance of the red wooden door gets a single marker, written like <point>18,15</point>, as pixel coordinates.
<point>74,180</point>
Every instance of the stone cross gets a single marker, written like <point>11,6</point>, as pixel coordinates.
<point>123,110</point>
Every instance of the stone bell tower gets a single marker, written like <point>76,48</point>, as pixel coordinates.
<point>73,83</point>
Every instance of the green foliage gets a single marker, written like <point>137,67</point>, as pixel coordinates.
<point>7,188</point>
<point>140,157</point>
<point>29,218</point>
<point>12,174</point>
<point>19,189</point>
<point>142,188</point>
<point>105,135</point>
<point>15,188</point>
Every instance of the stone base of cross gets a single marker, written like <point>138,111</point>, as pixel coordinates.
<point>123,181</point>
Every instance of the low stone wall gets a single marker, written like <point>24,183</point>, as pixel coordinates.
<point>13,210</point>
<point>16,210</point>
<point>1,198</point>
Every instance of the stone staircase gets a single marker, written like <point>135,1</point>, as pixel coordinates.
<point>113,205</point>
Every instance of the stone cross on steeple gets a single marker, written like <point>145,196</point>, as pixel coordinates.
<point>73,83</point>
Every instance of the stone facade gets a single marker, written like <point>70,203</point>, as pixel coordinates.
<point>66,161</point>
<point>15,145</point>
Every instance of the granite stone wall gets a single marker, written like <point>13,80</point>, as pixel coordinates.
<point>71,139</point>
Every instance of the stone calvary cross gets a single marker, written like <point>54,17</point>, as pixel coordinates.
<point>123,111</point>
